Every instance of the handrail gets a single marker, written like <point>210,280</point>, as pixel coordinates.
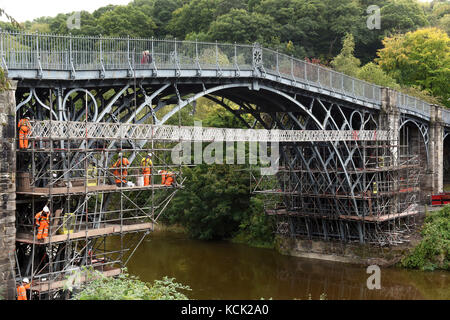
<point>113,131</point>
<point>39,51</point>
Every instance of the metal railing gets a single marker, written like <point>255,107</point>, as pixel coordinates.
<point>34,51</point>
<point>92,130</point>
<point>446,116</point>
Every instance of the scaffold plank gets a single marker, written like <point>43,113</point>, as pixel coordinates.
<point>89,233</point>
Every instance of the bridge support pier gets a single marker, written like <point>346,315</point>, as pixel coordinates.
<point>436,150</point>
<point>389,119</point>
<point>7,191</point>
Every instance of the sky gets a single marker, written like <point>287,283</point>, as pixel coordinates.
<point>23,10</point>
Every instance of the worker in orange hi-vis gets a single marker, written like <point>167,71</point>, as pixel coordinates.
<point>22,289</point>
<point>24,130</point>
<point>146,164</point>
<point>42,223</point>
<point>121,171</point>
<point>167,178</point>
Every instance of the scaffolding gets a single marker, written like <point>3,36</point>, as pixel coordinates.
<point>94,221</point>
<point>364,191</point>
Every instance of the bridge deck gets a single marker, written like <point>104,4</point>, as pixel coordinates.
<point>65,57</point>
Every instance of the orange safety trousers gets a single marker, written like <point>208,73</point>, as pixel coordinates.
<point>121,174</point>
<point>43,230</point>
<point>167,178</point>
<point>43,225</point>
<point>24,129</point>
<point>146,172</point>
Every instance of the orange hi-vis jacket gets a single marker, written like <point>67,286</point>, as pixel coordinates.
<point>121,172</point>
<point>167,178</point>
<point>22,291</point>
<point>42,222</point>
<point>24,129</point>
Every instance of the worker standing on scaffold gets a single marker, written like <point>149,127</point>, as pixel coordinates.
<point>24,130</point>
<point>22,289</point>
<point>43,223</point>
<point>121,171</point>
<point>146,164</point>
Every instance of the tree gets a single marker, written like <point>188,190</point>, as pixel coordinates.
<point>10,18</point>
<point>213,202</point>
<point>420,58</point>
<point>345,61</point>
<point>400,16</point>
<point>118,22</point>
<point>373,73</point>
<point>243,27</point>
<point>193,16</point>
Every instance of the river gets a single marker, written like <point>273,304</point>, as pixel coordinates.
<point>224,270</point>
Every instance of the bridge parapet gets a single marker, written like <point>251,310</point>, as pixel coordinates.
<point>94,130</point>
<point>66,57</point>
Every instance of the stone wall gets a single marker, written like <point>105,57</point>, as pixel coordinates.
<point>7,191</point>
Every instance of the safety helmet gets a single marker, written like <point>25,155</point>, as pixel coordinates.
<point>120,154</point>
<point>150,155</point>
<point>28,118</point>
<point>159,171</point>
<point>46,209</point>
<point>25,280</point>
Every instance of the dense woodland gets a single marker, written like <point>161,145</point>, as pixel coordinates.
<point>410,52</point>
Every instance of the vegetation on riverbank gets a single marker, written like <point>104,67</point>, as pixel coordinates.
<point>433,252</point>
<point>126,287</point>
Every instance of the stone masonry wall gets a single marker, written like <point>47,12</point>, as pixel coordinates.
<point>7,192</point>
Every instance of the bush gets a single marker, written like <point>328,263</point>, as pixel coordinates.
<point>128,287</point>
<point>433,251</point>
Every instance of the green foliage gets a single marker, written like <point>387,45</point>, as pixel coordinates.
<point>256,228</point>
<point>117,22</point>
<point>128,287</point>
<point>420,58</point>
<point>243,27</point>
<point>346,62</point>
<point>4,83</point>
<point>433,252</point>
<point>213,203</point>
<point>372,72</point>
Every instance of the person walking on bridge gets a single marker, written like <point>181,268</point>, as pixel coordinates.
<point>121,171</point>
<point>42,223</point>
<point>146,164</point>
<point>24,130</point>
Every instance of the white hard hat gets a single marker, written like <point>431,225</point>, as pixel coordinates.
<point>159,171</point>
<point>150,154</point>
<point>46,209</point>
<point>120,154</point>
<point>26,280</point>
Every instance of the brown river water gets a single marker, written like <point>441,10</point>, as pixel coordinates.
<point>218,270</point>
